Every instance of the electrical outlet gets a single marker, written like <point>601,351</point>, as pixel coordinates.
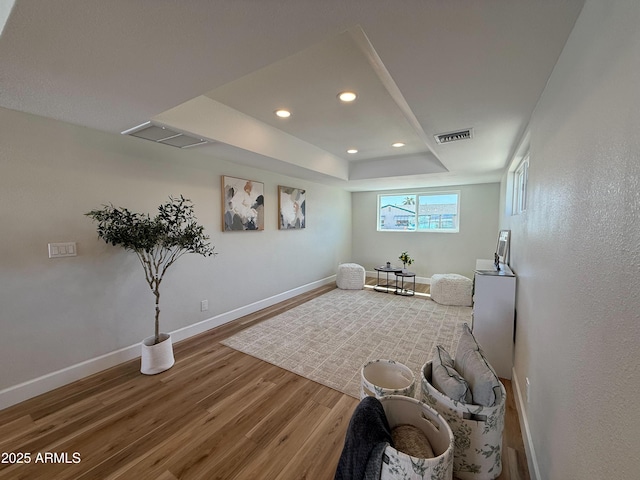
<point>67,249</point>
<point>528,383</point>
<point>204,305</point>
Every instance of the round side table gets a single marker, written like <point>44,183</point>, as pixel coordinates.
<point>387,286</point>
<point>401,290</point>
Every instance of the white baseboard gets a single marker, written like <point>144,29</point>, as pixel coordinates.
<point>32,388</point>
<point>532,461</point>
<point>50,381</point>
<point>208,324</point>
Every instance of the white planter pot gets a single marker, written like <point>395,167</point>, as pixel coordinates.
<point>156,358</point>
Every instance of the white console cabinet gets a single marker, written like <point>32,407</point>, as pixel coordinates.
<point>493,314</point>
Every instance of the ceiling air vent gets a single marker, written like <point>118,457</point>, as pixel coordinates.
<point>164,135</point>
<point>454,136</point>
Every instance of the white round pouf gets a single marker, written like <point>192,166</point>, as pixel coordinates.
<point>381,378</point>
<point>350,276</point>
<point>451,289</point>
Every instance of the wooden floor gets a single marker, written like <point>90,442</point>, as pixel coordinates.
<point>421,288</point>
<point>217,414</point>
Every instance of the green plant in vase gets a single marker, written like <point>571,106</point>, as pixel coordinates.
<point>405,259</point>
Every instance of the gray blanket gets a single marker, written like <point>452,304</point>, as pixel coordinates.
<point>367,437</point>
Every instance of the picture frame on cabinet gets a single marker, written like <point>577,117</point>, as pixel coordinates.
<point>502,248</point>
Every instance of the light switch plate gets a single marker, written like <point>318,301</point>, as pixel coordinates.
<point>65,249</point>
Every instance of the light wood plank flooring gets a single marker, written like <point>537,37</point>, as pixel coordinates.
<point>420,287</point>
<point>217,414</point>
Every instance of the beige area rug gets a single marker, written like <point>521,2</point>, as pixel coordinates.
<point>329,338</point>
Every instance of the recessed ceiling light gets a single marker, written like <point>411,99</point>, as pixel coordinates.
<point>398,144</point>
<point>347,96</point>
<point>352,150</point>
<point>282,113</point>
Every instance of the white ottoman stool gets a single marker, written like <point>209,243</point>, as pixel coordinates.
<point>350,276</point>
<point>451,289</point>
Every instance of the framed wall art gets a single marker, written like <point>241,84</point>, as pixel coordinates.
<point>291,208</point>
<point>502,248</point>
<point>242,204</point>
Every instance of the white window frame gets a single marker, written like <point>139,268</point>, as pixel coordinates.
<point>520,181</point>
<point>416,216</point>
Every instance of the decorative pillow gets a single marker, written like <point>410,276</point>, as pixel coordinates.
<point>474,367</point>
<point>446,379</point>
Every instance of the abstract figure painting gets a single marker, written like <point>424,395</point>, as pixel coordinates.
<point>291,206</point>
<point>242,204</point>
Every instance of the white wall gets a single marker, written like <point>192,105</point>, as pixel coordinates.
<point>55,313</point>
<point>577,254</point>
<point>433,252</point>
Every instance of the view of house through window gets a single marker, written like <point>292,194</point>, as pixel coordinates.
<point>422,212</point>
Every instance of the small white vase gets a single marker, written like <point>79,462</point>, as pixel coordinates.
<point>156,358</point>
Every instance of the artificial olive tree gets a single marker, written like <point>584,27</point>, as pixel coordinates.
<point>158,242</point>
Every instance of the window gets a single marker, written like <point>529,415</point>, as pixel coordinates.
<point>421,212</point>
<point>521,175</point>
